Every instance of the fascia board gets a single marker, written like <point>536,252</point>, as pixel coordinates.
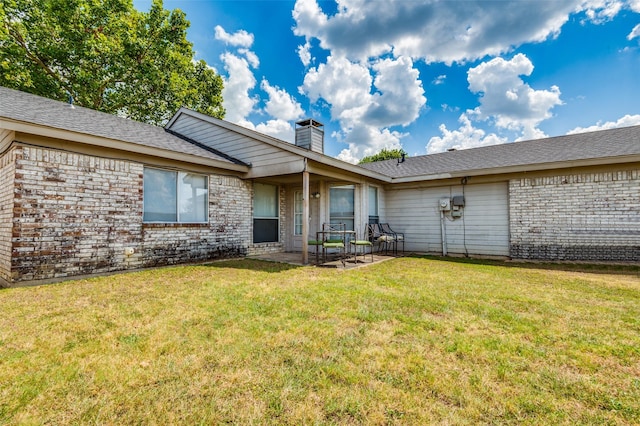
<point>521,168</point>
<point>285,146</point>
<point>62,134</point>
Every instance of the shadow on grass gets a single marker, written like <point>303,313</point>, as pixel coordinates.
<point>253,265</point>
<point>593,268</point>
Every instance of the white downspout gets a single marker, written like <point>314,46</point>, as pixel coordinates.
<point>444,233</point>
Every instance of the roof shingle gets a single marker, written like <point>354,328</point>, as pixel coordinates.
<point>583,146</point>
<point>25,107</point>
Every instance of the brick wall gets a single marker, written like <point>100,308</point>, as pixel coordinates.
<point>7,171</point>
<point>228,233</point>
<point>75,214</point>
<point>587,216</point>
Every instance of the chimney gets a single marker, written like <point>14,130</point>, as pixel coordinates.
<point>310,135</point>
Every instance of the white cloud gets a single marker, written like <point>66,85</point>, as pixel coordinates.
<point>251,57</point>
<point>465,137</point>
<point>367,140</point>
<point>508,100</point>
<point>451,31</point>
<point>635,32</point>
<point>304,52</point>
<point>626,121</point>
<point>343,84</point>
<point>439,80</point>
<point>399,95</point>
<point>599,11</point>
<point>635,5</point>
<point>277,128</point>
<point>365,105</point>
<point>281,104</point>
<point>240,38</point>
<point>239,81</point>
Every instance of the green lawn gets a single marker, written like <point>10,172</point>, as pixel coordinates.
<point>408,341</point>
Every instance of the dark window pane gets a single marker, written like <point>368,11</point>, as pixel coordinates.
<point>265,230</point>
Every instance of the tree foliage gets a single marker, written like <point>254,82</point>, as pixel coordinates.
<point>106,55</point>
<point>385,154</point>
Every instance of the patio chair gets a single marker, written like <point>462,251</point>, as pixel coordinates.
<point>376,236</point>
<point>316,243</point>
<point>333,237</point>
<point>398,237</point>
<point>364,244</point>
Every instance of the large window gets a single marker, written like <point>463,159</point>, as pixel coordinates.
<point>171,196</point>
<point>373,205</point>
<point>341,205</point>
<point>265,213</point>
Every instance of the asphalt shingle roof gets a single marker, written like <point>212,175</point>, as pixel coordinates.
<point>583,146</point>
<point>34,109</point>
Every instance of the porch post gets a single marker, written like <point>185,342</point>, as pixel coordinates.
<point>305,217</point>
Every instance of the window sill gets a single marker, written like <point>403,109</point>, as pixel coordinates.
<point>174,225</point>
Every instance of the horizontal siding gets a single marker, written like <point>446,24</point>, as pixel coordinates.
<point>230,143</point>
<point>483,230</point>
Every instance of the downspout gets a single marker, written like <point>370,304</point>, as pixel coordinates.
<point>443,232</point>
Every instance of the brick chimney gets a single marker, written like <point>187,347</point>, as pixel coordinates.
<point>310,135</point>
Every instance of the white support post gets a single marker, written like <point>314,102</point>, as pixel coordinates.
<point>305,217</point>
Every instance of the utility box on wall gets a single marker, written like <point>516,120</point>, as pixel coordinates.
<point>458,201</point>
<point>444,204</point>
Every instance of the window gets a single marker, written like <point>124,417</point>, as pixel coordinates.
<point>265,213</point>
<point>297,213</point>
<point>341,205</point>
<point>175,197</point>
<point>373,205</point>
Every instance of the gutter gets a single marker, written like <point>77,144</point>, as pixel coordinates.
<point>519,168</point>
<point>99,141</point>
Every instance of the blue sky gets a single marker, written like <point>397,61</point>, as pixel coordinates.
<point>421,75</point>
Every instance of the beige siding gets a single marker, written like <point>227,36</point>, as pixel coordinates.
<point>230,143</point>
<point>482,230</point>
<point>6,137</point>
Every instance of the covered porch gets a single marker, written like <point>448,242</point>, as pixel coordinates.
<point>311,198</point>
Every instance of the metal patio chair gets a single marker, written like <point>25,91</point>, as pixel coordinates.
<point>364,243</point>
<point>376,236</point>
<point>333,237</point>
<point>398,237</point>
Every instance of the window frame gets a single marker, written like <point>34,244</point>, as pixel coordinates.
<point>264,219</point>
<point>179,174</point>
<point>298,204</point>
<point>375,218</point>
<point>350,220</point>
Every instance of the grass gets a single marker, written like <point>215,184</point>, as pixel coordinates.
<point>408,341</point>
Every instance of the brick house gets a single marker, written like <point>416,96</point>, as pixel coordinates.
<point>83,192</point>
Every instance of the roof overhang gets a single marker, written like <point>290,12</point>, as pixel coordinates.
<point>320,159</point>
<point>520,168</point>
<point>67,135</point>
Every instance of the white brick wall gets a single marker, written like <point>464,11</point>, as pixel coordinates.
<point>75,214</point>
<point>7,171</point>
<point>587,216</point>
